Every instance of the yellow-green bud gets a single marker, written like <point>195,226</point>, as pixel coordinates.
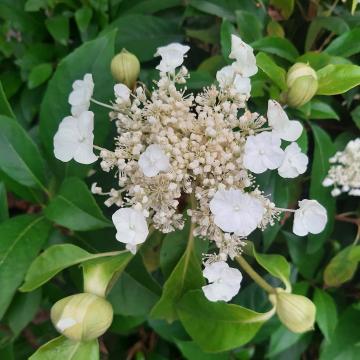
<point>302,84</point>
<point>82,317</point>
<point>125,68</point>
<point>296,312</point>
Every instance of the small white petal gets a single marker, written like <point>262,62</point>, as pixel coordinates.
<point>310,217</point>
<point>236,212</point>
<point>153,161</point>
<point>122,92</point>
<point>294,163</point>
<point>172,56</point>
<point>131,226</point>
<point>225,76</point>
<point>289,130</point>
<point>80,96</point>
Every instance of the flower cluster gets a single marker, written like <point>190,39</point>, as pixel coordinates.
<point>174,147</point>
<point>344,173</point>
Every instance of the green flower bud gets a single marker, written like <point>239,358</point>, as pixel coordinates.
<point>82,317</point>
<point>125,68</point>
<point>296,312</point>
<point>302,84</point>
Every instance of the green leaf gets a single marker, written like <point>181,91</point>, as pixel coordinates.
<point>332,23</point>
<point>324,149</point>
<point>187,275</point>
<point>5,108</point>
<point>276,265</point>
<point>337,79</point>
<point>322,110</point>
<point>344,342</point>
<point>319,60</point>
<point>342,267</point>
<point>218,326</point>
<point>22,237</point>
<point>276,73</point>
<point>39,74</point>
<point>192,351</point>
<point>146,6</point>
<point>62,348</point>
<point>277,46</point>
<point>55,259</point>
<point>100,274</point>
<point>4,212</point>
<point>280,340</point>
<point>286,7</point>
<point>346,44</point>
<point>22,310</point>
<point>143,34</point>
<point>249,26</point>
<point>227,29</point>
<point>21,159</point>
<point>92,57</point>
<point>83,17</point>
<point>75,207</point>
<point>58,27</point>
<point>326,313</point>
<point>355,114</point>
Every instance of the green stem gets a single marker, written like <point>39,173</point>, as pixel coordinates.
<point>254,275</point>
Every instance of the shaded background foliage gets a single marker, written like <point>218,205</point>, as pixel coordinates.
<point>46,44</point>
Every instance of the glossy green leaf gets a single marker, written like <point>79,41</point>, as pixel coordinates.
<point>226,30</point>
<point>83,17</point>
<point>277,46</point>
<point>276,265</point>
<point>337,79</point>
<point>280,340</point>
<point>332,23</point>
<point>58,27</point>
<point>346,44</point>
<point>146,6</point>
<point>276,73</point>
<point>39,74</point>
<point>324,149</point>
<point>92,57</point>
<point>21,159</point>
<point>218,326</point>
<point>22,237</point>
<point>319,60</point>
<point>22,310</point>
<point>187,275</point>
<point>55,259</point>
<point>342,266</point>
<point>326,312</point>
<point>62,348</point>
<point>143,34</point>
<point>249,26</point>
<point>5,108</point>
<point>75,207</point>
<point>322,110</point>
<point>345,339</point>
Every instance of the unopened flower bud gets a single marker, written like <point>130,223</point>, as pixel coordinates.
<point>296,312</point>
<point>82,317</point>
<point>125,68</point>
<point>302,84</point>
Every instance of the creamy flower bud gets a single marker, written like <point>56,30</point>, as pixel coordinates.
<point>296,312</point>
<point>82,317</point>
<point>302,84</point>
<point>125,68</point>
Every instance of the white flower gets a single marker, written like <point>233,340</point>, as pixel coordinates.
<point>245,63</point>
<point>122,92</point>
<point>289,130</point>
<point>263,152</point>
<point>224,281</point>
<point>79,98</point>
<point>294,163</point>
<point>328,182</point>
<point>74,139</point>
<point>242,85</point>
<point>153,160</point>
<point>225,76</point>
<point>172,56</point>
<point>236,212</point>
<point>335,192</point>
<point>310,217</point>
<point>131,227</point>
